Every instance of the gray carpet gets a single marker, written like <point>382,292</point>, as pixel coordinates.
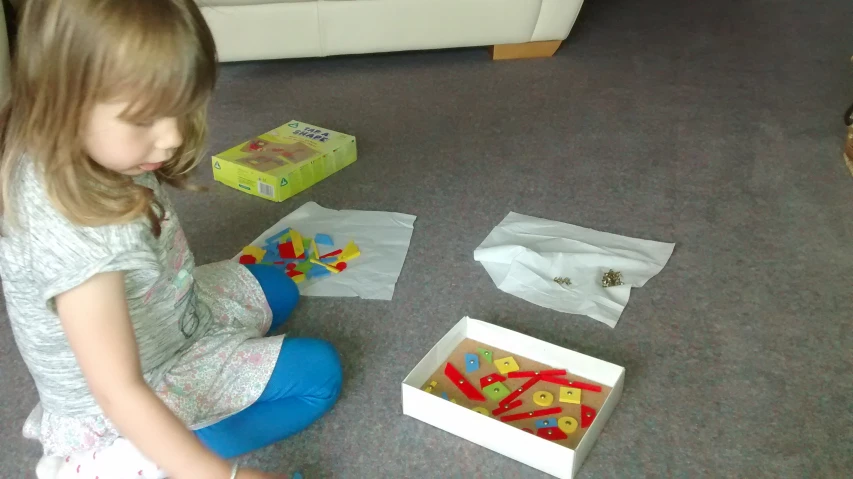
<point>714,125</point>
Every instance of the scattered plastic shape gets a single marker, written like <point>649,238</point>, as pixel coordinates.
<point>567,424</point>
<point>430,387</point>
<point>487,355</point>
<point>304,267</point>
<point>255,251</point>
<point>330,260</point>
<point>333,253</point>
<point>315,253</point>
<point>298,278</point>
<point>570,395</point>
<point>506,407</point>
<point>350,251</point>
<point>491,379</point>
<point>543,398</point>
<point>296,475</point>
<point>481,410</point>
<point>532,414</point>
<point>550,422</point>
<point>496,391</point>
<point>341,266</point>
<point>277,238</point>
<point>587,416</point>
<point>324,239</point>
<point>524,387</point>
<point>318,272</point>
<point>551,433</point>
<point>445,397</point>
<point>290,266</point>
<point>272,254</point>
<point>298,245</point>
<point>286,251</point>
<point>506,365</point>
<point>329,267</point>
<point>472,363</point>
<point>530,374</point>
<point>247,259</point>
<point>467,389</point>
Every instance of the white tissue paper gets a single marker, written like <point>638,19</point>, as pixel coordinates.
<point>524,254</point>
<point>382,237</point>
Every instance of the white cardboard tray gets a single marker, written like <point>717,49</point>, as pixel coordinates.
<point>502,438</point>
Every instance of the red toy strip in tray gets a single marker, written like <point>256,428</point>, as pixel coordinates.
<point>467,389</point>
<point>572,383</point>
<point>509,407</point>
<point>518,391</point>
<point>530,374</point>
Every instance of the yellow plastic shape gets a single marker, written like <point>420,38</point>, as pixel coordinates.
<point>327,266</point>
<point>296,239</point>
<point>430,387</point>
<point>349,252</point>
<point>567,424</point>
<point>543,398</point>
<point>481,410</point>
<point>315,253</point>
<point>255,252</point>
<point>570,395</point>
<point>506,365</point>
<point>298,278</point>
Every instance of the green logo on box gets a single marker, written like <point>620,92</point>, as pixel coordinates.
<point>293,125</point>
<point>283,182</point>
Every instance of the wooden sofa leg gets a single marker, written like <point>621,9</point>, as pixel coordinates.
<point>524,50</point>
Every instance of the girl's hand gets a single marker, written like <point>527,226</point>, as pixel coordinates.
<point>255,474</point>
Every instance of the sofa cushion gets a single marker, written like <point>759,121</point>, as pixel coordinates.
<point>237,3</point>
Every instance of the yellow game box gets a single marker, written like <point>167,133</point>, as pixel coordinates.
<point>282,162</point>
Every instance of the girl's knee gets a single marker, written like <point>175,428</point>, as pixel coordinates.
<point>329,362</point>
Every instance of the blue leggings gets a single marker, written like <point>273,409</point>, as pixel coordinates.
<point>305,382</point>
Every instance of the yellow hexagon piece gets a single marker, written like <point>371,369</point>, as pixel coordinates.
<point>506,365</point>
<point>567,424</point>
<point>481,410</point>
<point>570,395</point>
<point>430,387</point>
<point>543,398</point>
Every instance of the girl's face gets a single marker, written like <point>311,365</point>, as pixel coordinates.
<point>128,148</point>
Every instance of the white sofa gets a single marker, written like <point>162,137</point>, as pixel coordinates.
<point>266,29</point>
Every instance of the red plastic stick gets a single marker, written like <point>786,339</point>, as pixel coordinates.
<point>552,433</point>
<point>587,416</point>
<point>573,383</point>
<point>333,253</point>
<point>491,379</point>
<point>528,415</point>
<point>530,374</point>
<point>467,389</point>
<point>518,391</point>
<point>509,407</point>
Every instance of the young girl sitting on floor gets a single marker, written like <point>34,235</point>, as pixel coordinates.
<point>145,365</point>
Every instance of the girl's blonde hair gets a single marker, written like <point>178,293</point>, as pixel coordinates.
<point>158,55</point>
